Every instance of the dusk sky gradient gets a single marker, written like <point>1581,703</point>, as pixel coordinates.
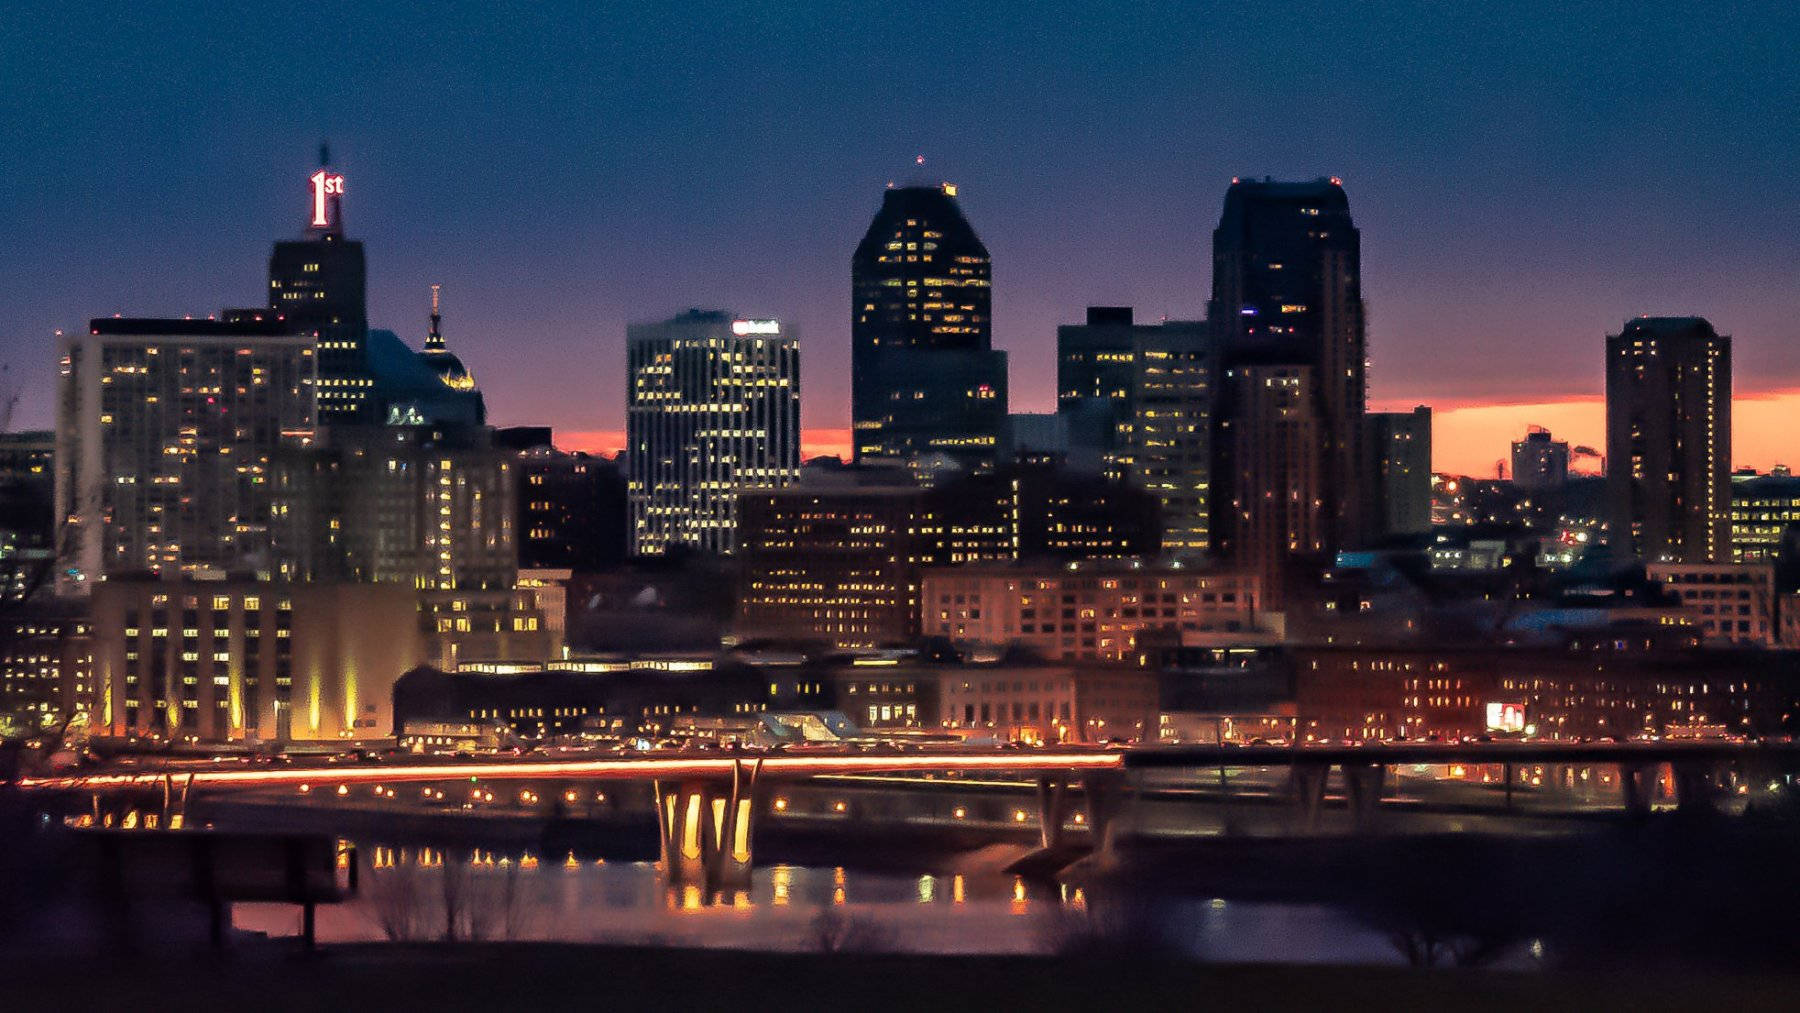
<point>1526,176</point>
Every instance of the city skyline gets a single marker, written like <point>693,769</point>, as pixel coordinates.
<point>559,228</point>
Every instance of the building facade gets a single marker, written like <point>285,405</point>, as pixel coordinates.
<point>1539,461</point>
<point>713,405</point>
<point>1046,704</point>
<point>1088,613</point>
<point>1400,480</point>
<point>1668,440</point>
<point>1765,511</point>
<point>1733,603</point>
<point>1141,397</point>
<point>319,283</point>
<point>250,661</point>
<point>166,435</point>
<point>1287,313</point>
<point>925,379</point>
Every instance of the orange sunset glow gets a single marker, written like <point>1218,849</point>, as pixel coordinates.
<point>1467,439</point>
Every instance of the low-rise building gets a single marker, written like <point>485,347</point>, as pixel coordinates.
<point>1049,703</point>
<point>1088,611</point>
<point>249,660</point>
<point>1732,603</point>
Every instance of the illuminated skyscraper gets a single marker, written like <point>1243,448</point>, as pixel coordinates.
<point>320,283</point>
<point>166,432</point>
<point>713,405</point>
<point>1668,441</point>
<point>925,379</point>
<point>1142,396</point>
<point>1287,312</point>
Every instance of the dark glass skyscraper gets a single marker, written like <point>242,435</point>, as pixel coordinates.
<point>1287,314</point>
<point>925,378</point>
<point>1668,441</point>
<point>320,283</point>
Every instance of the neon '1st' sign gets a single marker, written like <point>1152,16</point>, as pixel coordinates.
<point>325,185</point>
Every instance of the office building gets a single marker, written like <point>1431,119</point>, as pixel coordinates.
<point>1399,444</point>
<point>165,438</point>
<point>319,283</point>
<point>926,384</point>
<point>46,663</point>
<point>248,660</point>
<point>1099,611</point>
<point>838,564</point>
<point>1139,399</point>
<point>1765,517</point>
<point>572,511</point>
<point>1540,462</point>
<point>27,513</point>
<point>1733,603</point>
<point>713,405</point>
<point>1668,441</point>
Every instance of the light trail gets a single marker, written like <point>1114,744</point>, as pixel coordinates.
<point>595,770</point>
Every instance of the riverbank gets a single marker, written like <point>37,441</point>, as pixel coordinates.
<point>522,975</point>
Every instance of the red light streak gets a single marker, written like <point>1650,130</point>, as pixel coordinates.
<point>608,770</point>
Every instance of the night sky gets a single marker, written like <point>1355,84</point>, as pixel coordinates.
<point>1525,175</point>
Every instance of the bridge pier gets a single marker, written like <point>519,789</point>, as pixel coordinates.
<point>1053,799</point>
<point>705,828</point>
<point>1364,783</point>
<point>1105,792</point>
<point>1637,781</point>
<point>1307,781</point>
<point>1697,791</point>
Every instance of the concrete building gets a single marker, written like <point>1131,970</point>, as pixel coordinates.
<point>712,406</point>
<point>1732,603</point>
<point>1400,447</point>
<point>250,661</point>
<point>166,434</point>
<point>1540,462</point>
<point>1088,612</point>
<point>1138,398</point>
<point>1668,440</point>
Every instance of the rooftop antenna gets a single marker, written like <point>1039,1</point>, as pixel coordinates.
<point>324,154</point>
<point>434,341</point>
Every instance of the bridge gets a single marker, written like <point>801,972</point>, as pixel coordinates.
<point>706,804</point>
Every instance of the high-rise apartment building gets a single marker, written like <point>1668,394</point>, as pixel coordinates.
<point>1399,445</point>
<point>1539,461</point>
<point>1272,445</point>
<point>1140,397</point>
<point>1287,314</point>
<point>1668,441</point>
<point>925,379</point>
<point>320,283</point>
<point>712,405</point>
<point>166,434</point>
<point>571,506</point>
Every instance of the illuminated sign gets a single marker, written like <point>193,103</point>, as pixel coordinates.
<point>1506,717</point>
<point>743,327</point>
<point>324,185</point>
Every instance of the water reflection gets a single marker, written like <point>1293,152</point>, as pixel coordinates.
<point>411,892</point>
